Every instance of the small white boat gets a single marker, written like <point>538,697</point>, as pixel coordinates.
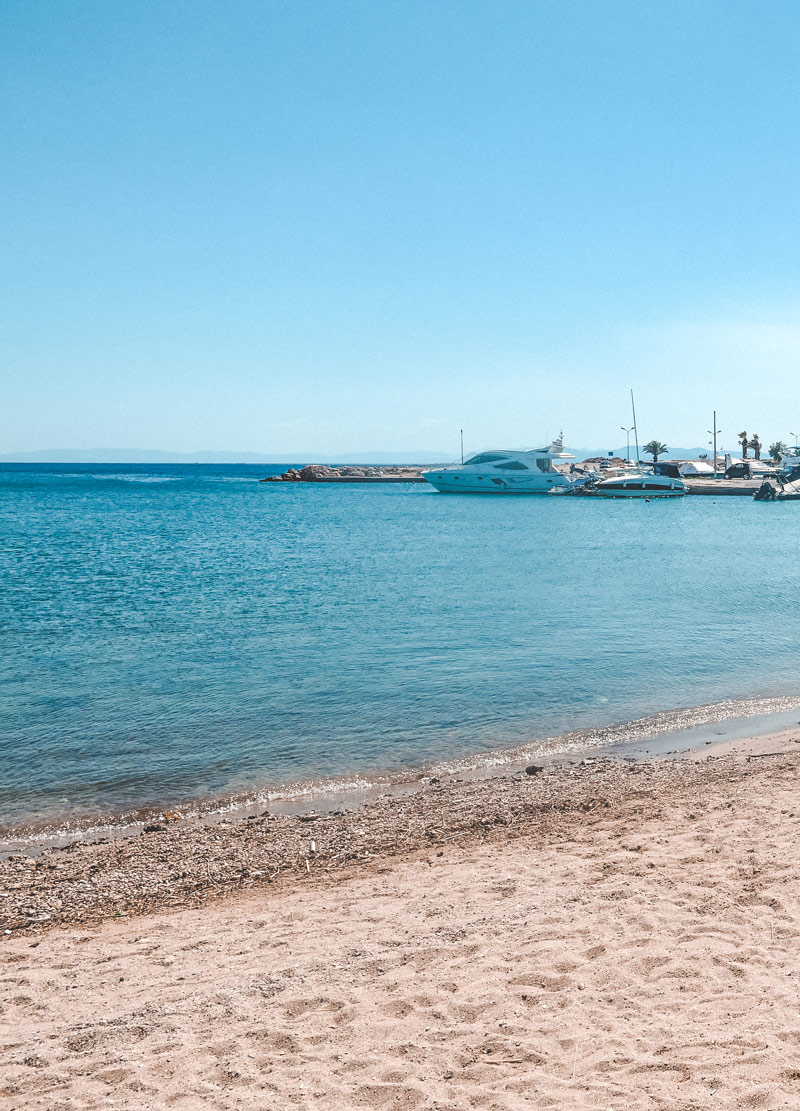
<point>504,472</point>
<point>640,484</point>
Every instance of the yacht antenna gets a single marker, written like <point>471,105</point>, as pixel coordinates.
<point>635,431</point>
<point>462,447</point>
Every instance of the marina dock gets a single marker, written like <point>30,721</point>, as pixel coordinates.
<point>723,487</point>
<point>318,473</point>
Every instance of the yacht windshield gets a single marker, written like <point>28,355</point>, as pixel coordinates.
<point>486,457</point>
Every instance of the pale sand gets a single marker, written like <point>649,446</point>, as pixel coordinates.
<point>643,954</point>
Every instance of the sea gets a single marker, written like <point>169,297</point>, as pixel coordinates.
<point>176,633</point>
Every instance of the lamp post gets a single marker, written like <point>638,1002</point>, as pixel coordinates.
<point>715,432</point>
<point>627,432</point>
<point>795,441</point>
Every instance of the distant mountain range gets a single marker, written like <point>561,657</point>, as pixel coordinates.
<point>139,455</point>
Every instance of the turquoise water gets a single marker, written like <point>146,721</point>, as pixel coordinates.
<point>175,632</point>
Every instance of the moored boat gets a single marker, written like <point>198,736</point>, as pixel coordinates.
<point>640,484</point>
<point>504,472</point>
<point>784,486</point>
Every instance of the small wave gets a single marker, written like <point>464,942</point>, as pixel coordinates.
<point>148,478</point>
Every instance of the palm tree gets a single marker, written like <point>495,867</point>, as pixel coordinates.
<point>755,444</point>
<point>655,448</point>
<point>776,450</point>
<point>745,443</point>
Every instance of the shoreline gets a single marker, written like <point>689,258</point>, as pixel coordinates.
<point>181,864</point>
<point>686,728</point>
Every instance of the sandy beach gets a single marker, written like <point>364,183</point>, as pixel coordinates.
<point>602,934</point>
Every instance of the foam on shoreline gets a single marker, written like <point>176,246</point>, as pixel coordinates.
<point>659,735</point>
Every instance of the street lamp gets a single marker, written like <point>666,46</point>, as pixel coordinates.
<point>627,432</point>
<point>795,441</point>
<point>715,432</point>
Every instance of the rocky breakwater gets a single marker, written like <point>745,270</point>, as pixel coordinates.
<point>319,473</point>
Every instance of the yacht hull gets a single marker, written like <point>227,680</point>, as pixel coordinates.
<point>448,482</point>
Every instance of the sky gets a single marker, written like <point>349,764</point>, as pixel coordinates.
<point>341,226</point>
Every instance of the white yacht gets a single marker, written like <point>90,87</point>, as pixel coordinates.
<point>504,472</point>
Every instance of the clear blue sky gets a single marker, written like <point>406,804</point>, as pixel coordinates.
<point>351,225</point>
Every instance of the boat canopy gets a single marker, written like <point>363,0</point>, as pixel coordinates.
<point>696,466</point>
<point>666,468</point>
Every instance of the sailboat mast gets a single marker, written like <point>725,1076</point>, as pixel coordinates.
<point>635,431</point>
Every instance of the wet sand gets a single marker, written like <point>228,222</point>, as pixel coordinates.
<point>604,934</point>
<point>657,734</point>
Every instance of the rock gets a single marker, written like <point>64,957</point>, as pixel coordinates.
<point>154,828</point>
<point>533,769</point>
<point>314,472</point>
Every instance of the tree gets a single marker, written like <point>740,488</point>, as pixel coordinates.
<point>776,450</point>
<point>755,444</point>
<point>655,448</point>
<point>743,440</point>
